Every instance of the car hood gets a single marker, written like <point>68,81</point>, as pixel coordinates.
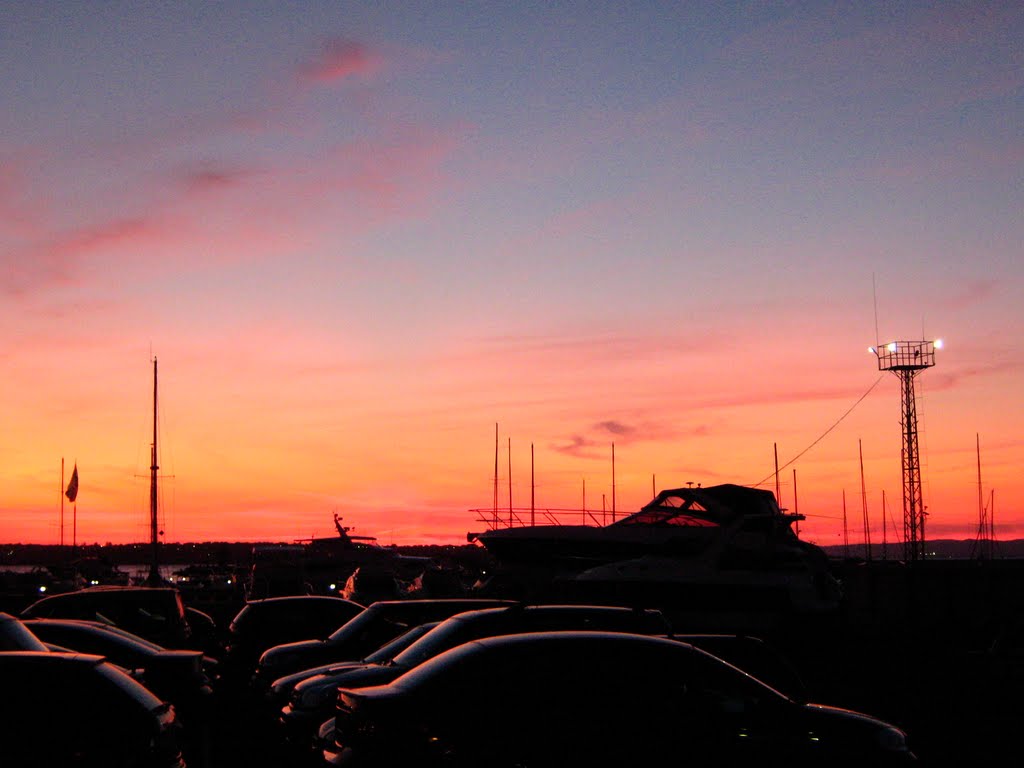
<point>355,677</point>
<point>845,726</point>
<point>281,654</point>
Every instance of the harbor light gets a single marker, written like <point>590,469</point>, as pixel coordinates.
<point>892,346</point>
<point>938,343</point>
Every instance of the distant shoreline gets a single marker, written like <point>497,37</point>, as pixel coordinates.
<point>240,552</point>
<point>186,553</point>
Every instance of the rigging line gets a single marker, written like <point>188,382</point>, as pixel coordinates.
<point>823,434</point>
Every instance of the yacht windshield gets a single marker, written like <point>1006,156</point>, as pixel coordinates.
<point>673,511</point>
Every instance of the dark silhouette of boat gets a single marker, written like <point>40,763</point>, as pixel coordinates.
<point>720,547</point>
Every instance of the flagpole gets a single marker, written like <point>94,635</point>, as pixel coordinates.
<point>62,501</point>
<point>72,495</point>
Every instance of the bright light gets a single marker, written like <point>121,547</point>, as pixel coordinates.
<point>938,343</point>
<point>892,346</point>
<point>42,587</point>
<point>332,587</point>
<point>872,350</point>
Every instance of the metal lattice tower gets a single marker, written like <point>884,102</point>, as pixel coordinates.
<point>907,359</point>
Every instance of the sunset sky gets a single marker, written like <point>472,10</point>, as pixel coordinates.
<point>357,236</point>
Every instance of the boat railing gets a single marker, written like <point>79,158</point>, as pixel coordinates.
<point>520,517</point>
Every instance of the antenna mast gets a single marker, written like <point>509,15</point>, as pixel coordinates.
<point>495,516</point>
<point>154,567</point>
<point>984,545</point>
<point>906,359</point>
<point>864,506</point>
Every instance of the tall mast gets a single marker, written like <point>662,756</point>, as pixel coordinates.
<point>846,530</point>
<point>533,489</point>
<point>495,514</point>
<point>62,503</point>
<point>154,567</point>
<point>613,482</point>
<point>864,506</point>
<point>510,482</point>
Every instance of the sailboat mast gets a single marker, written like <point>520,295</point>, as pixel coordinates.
<point>154,567</point>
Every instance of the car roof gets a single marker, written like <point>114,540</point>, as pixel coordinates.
<point>98,627</point>
<point>550,638</point>
<point>519,619</point>
<point>54,658</point>
<point>270,601</point>
<point>482,614</point>
<point>593,640</point>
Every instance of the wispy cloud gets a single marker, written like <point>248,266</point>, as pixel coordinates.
<point>594,442</point>
<point>211,177</point>
<point>53,260</point>
<point>950,379</point>
<point>340,59</point>
<point>972,294</point>
<point>580,447</point>
<point>616,428</point>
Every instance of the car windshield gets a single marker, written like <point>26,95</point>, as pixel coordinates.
<point>387,652</point>
<point>433,643</point>
<point>15,637</point>
<point>356,625</point>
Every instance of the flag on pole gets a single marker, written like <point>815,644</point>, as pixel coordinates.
<point>72,491</point>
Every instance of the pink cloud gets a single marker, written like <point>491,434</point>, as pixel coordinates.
<point>339,60</point>
<point>946,379</point>
<point>240,213</point>
<point>64,250</point>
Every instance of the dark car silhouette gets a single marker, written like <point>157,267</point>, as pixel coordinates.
<point>77,710</point>
<point>155,613</point>
<point>313,699</point>
<point>281,689</point>
<point>262,624</point>
<point>178,676</point>
<point>379,623</point>
<point>595,699</point>
<point>15,636</point>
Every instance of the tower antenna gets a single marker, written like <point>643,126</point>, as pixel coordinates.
<point>874,296</point>
<point>907,359</point>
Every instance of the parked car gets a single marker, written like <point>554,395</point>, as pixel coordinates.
<point>77,710</point>
<point>262,624</point>
<point>14,636</point>
<point>281,689</point>
<point>178,676</point>
<point>369,630</point>
<point>155,613</point>
<point>595,699</point>
<point>313,699</point>
<point>755,657</point>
